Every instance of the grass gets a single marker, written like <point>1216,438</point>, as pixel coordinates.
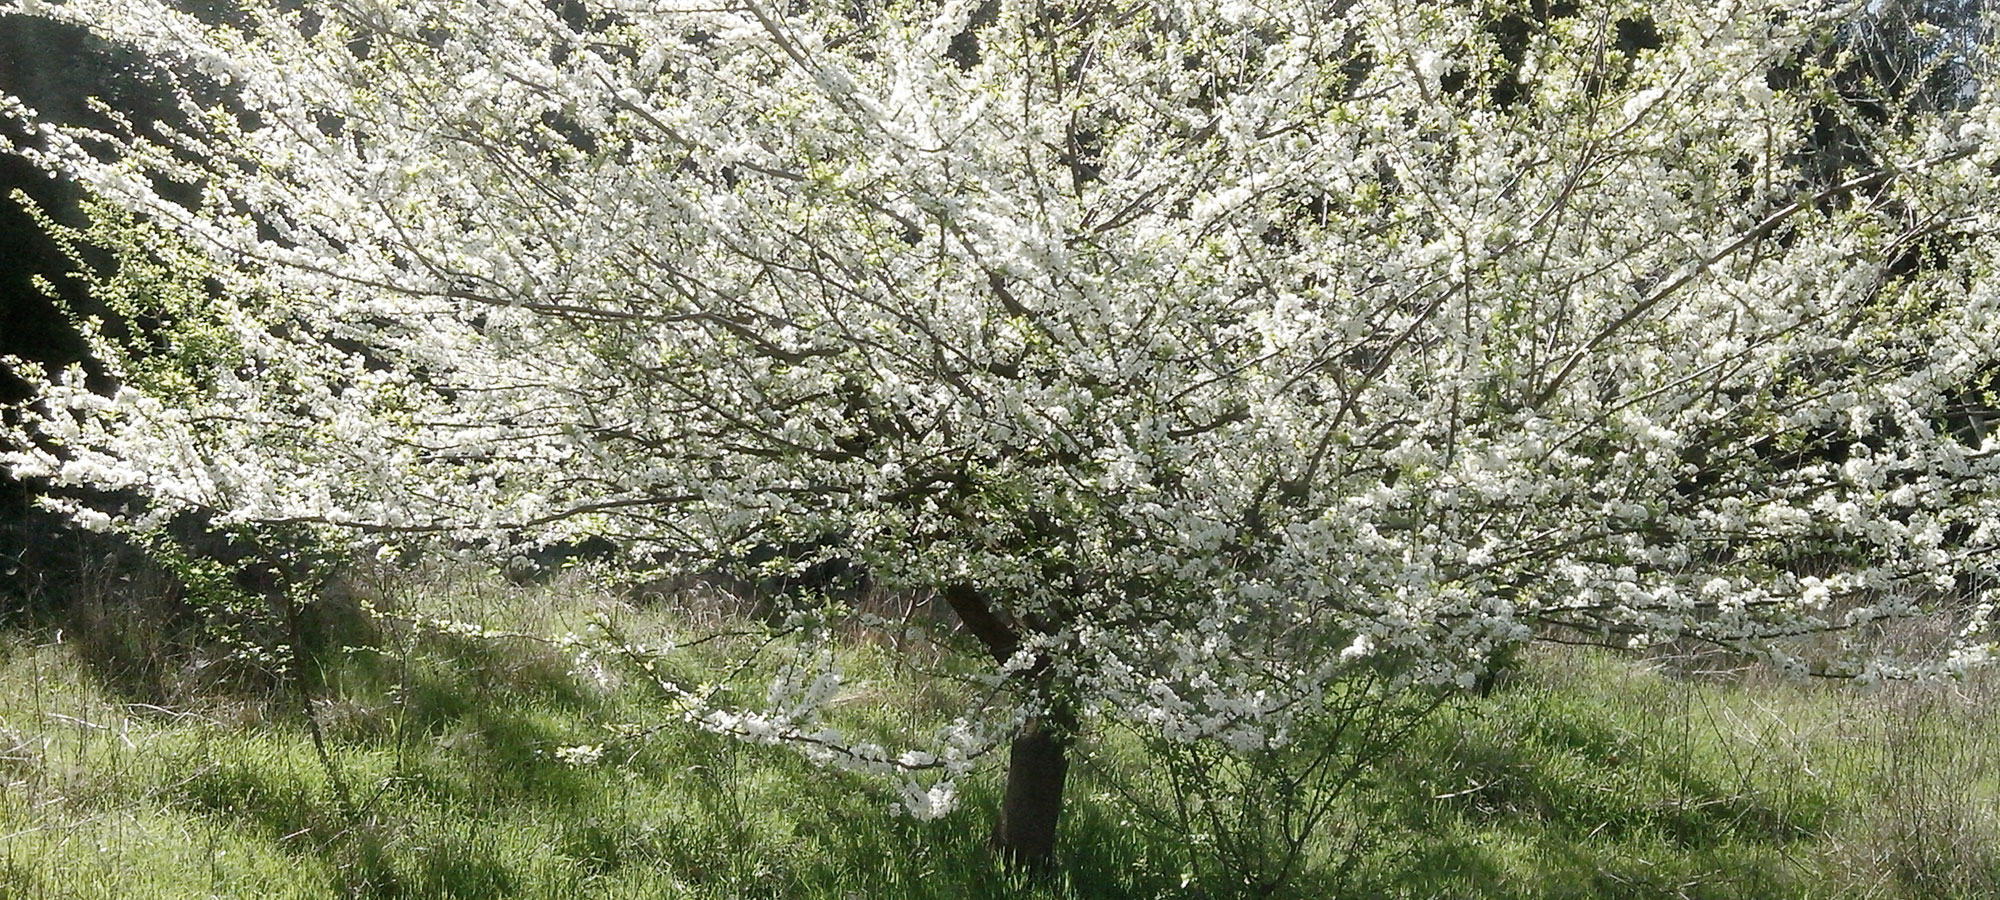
<point>1596,776</point>
<point>1585,776</point>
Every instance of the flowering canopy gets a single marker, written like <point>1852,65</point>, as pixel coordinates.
<point>1207,351</point>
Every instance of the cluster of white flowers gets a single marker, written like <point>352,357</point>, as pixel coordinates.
<point>581,755</point>
<point>1220,354</point>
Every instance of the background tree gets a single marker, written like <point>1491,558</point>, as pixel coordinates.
<point>1202,358</point>
<point>58,68</point>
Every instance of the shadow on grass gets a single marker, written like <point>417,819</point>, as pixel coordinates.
<point>1569,792</point>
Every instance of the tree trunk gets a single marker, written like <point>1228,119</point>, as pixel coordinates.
<point>1038,760</point>
<point>1037,766</point>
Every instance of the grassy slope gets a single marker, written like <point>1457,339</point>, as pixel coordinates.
<point>1587,776</point>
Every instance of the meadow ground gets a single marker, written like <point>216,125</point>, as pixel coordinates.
<point>441,764</point>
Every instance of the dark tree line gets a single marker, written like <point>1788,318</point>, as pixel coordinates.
<point>55,69</point>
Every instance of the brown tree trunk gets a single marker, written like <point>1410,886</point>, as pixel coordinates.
<point>1037,766</point>
<point>1038,760</point>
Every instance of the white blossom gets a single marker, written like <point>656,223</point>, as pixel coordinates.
<point>1239,358</point>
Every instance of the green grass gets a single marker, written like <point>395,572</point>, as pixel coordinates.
<point>1595,776</point>
<point>1586,776</point>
